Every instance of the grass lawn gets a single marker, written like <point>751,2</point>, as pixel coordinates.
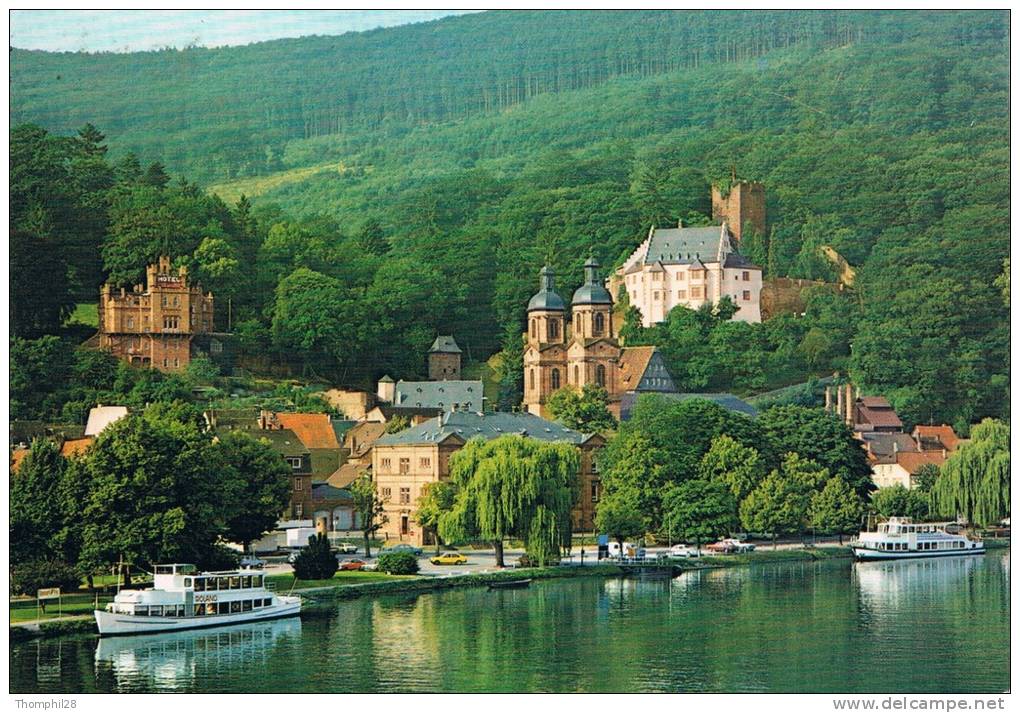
<point>86,313</point>
<point>284,582</point>
<point>70,605</point>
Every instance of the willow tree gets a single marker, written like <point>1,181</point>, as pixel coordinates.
<point>513,487</point>
<point>974,483</point>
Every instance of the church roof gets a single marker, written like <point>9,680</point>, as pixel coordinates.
<point>546,298</point>
<point>469,424</point>
<point>445,344</point>
<point>592,292</point>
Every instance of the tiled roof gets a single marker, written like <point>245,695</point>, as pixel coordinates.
<point>74,447</point>
<point>878,414</point>
<point>17,456</point>
<point>284,441</point>
<point>439,394</point>
<point>633,362</point>
<point>468,424</point>
<point>684,245</point>
<point>875,401</point>
<point>346,474</point>
<point>360,438</point>
<point>727,401</point>
<point>884,447</point>
<point>102,416</point>
<point>445,344</point>
<point>314,429</point>
<point>945,435</point>
<point>912,462</point>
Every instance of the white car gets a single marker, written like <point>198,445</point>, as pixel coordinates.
<point>683,551</point>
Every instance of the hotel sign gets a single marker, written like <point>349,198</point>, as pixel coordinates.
<point>169,281</point>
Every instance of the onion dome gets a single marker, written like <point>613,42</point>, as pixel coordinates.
<point>592,292</point>
<point>546,298</point>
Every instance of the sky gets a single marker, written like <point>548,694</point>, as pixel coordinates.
<point>139,30</point>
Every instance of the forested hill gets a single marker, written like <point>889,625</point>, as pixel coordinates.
<point>219,113</point>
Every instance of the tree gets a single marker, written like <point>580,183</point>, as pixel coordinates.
<point>620,516</point>
<point>371,239</point>
<point>154,492</point>
<point>632,465</point>
<point>513,486</point>
<point>836,508</point>
<point>316,561</point>
<point>779,505</point>
<point>369,509</point>
<point>738,467</point>
<point>397,423</point>
<point>897,501</point>
<point>36,515</point>
<point>699,510</point>
<point>926,477</point>
<point>586,411</point>
<point>260,487</point>
<point>821,437</point>
<point>437,499</point>
<point>975,480</point>
<point>156,175</point>
<point>510,371</point>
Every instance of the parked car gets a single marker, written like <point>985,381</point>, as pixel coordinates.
<point>346,548</point>
<point>683,551</point>
<point>730,545</point>
<point>403,547</point>
<point>370,567</point>
<point>629,549</point>
<point>352,565</point>
<point>449,558</point>
<point>253,562</point>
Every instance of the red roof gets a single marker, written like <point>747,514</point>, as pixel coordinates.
<point>878,415</point>
<point>943,434</point>
<point>74,446</point>
<point>314,430</point>
<point>912,462</point>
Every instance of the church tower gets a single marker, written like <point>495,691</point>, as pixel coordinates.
<point>545,353</point>
<point>594,352</point>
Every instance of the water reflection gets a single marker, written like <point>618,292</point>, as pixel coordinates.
<point>177,661</point>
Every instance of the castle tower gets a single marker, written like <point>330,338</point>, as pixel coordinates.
<point>744,205</point>
<point>545,354</point>
<point>594,352</point>
<point>444,359</point>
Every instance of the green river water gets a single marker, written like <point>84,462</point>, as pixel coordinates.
<point>834,626</point>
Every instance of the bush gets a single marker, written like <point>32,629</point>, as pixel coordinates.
<point>398,563</point>
<point>29,577</point>
<point>316,561</point>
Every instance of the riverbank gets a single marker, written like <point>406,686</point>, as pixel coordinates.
<point>319,597</point>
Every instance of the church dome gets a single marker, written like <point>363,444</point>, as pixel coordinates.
<point>592,292</point>
<point>546,298</point>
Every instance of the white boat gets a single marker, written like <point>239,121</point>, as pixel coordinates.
<point>182,598</point>
<point>900,538</point>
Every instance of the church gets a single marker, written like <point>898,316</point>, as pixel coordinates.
<point>580,346</point>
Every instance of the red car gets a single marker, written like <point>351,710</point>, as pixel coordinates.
<point>352,565</point>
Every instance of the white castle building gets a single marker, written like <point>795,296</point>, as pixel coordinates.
<point>689,267</point>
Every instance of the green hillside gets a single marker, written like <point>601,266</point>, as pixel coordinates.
<point>412,180</point>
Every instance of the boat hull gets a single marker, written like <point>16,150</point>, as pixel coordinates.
<point>111,624</point>
<point>865,554</point>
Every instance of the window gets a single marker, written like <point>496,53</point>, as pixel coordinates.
<point>187,582</point>
<point>600,375</point>
<point>531,378</point>
<point>295,463</point>
<point>199,584</point>
<point>555,376</point>
<point>553,329</point>
<point>246,582</point>
<point>681,294</point>
<point>595,492</point>
<point>405,524</point>
<point>171,322</point>
<point>600,324</point>
<point>299,484</point>
<point>384,464</point>
<point>424,462</point>
<point>246,605</point>
<point>176,362</point>
<point>656,277</point>
<point>405,496</point>
<point>534,328</point>
<point>577,374</point>
<point>697,274</point>
<point>746,276</point>
<point>164,362</point>
<point>655,296</point>
<point>747,295</point>
<point>405,465</point>
<point>235,606</point>
<point>387,493</point>
<point>681,276</point>
<point>223,608</point>
<point>131,322</point>
<point>696,293</point>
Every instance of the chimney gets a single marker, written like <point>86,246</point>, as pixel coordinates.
<point>895,448</point>
<point>839,401</point>
<point>849,405</point>
<point>828,399</point>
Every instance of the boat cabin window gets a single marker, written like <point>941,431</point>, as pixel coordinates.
<point>246,582</point>
<point>187,581</point>
<point>200,584</point>
<point>164,569</point>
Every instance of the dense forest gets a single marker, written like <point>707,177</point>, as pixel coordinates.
<point>412,180</point>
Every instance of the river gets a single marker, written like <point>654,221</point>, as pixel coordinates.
<point>905,626</point>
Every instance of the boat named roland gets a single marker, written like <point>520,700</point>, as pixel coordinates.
<point>182,598</point>
<point>900,538</point>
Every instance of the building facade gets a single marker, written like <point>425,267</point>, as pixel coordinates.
<point>582,347</point>
<point>742,207</point>
<point>154,325</point>
<point>405,464</point>
<point>689,267</point>
<point>444,359</point>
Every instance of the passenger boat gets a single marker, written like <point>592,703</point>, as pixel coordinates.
<point>511,584</point>
<point>900,538</point>
<point>182,598</point>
